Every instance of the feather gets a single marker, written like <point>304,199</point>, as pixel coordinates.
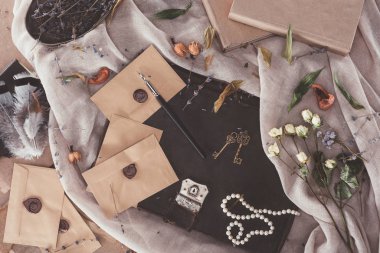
<point>23,128</point>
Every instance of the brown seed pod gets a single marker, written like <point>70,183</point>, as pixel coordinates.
<point>100,77</point>
<point>180,49</point>
<point>74,156</point>
<point>194,48</point>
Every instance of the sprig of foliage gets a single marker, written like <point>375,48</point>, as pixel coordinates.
<point>353,102</point>
<point>172,13</point>
<point>288,50</point>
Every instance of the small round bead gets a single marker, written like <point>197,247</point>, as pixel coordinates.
<point>248,217</point>
<point>229,228</point>
<point>260,211</point>
<point>270,232</point>
<point>238,217</point>
<point>240,225</point>
<point>256,211</point>
<point>283,211</point>
<point>237,196</point>
<point>265,210</point>
<point>279,213</point>
<point>257,215</point>
<point>271,228</point>
<point>241,228</point>
<point>228,232</point>
<point>252,232</point>
<point>270,211</point>
<point>298,214</point>
<point>257,232</point>
<point>249,235</point>
<point>237,242</point>
<point>230,237</point>
<point>261,232</point>
<point>228,214</point>
<point>266,233</point>
<point>274,213</point>
<point>233,195</point>
<point>224,201</point>
<point>253,216</point>
<point>225,210</point>
<point>251,209</point>
<point>228,197</point>
<point>292,212</point>
<point>246,239</point>
<point>236,222</point>
<point>266,220</point>
<point>262,217</point>
<point>242,242</point>
<point>233,216</point>
<point>240,233</point>
<point>270,223</point>
<point>288,210</point>
<point>242,217</point>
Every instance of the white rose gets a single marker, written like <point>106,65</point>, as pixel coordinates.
<point>330,163</point>
<point>307,115</point>
<point>273,150</point>
<point>275,132</point>
<point>302,131</point>
<point>302,157</point>
<point>316,121</point>
<point>290,129</point>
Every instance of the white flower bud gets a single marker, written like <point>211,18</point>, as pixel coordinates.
<point>307,115</point>
<point>316,121</point>
<point>302,157</point>
<point>290,129</point>
<point>302,131</point>
<point>330,163</point>
<point>273,150</point>
<point>275,132</point>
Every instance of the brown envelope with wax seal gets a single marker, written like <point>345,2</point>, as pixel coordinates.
<point>123,133</point>
<point>131,176</point>
<point>74,235</point>
<point>125,94</point>
<point>35,206</point>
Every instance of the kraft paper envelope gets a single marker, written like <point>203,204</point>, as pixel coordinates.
<point>34,229</point>
<point>123,133</point>
<point>116,97</point>
<point>77,237</point>
<point>114,192</point>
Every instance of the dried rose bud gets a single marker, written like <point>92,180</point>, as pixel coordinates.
<point>194,48</point>
<point>180,49</point>
<point>100,77</point>
<point>74,156</point>
<point>324,98</point>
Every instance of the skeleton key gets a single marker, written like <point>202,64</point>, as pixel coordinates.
<point>231,138</point>
<point>243,139</point>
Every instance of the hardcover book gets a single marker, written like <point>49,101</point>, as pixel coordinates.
<point>231,34</point>
<point>330,24</point>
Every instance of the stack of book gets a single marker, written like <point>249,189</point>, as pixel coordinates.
<point>327,24</point>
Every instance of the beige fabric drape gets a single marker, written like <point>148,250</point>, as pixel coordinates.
<point>75,120</point>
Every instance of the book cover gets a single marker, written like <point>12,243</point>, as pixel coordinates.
<point>231,34</point>
<point>330,24</point>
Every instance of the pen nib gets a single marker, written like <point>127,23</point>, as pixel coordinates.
<point>142,76</point>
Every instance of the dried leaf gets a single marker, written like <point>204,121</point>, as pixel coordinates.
<point>208,61</point>
<point>267,56</point>
<point>288,51</point>
<point>342,191</point>
<point>350,179</point>
<point>353,102</point>
<point>230,88</point>
<point>303,87</point>
<point>209,35</point>
<point>76,75</point>
<point>172,13</point>
<point>118,2</point>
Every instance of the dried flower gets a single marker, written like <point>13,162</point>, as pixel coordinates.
<point>267,56</point>
<point>275,132</point>
<point>302,157</point>
<point>307,115</point>
<point>329,139</point>
<point>325,99</point>
<point>330,163</point>
<point>316,121</point>
<point>302,131</point>
<point>208,61</point>
<point>180,49</point>
<point>230,89</point>
<point>273,150</point>
<point>100,77</point>
<point>290,129</point>
<point>74,156</point>
<point>194,48</point>
<point>209,35</point>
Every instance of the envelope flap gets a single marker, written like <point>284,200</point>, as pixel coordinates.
<point>123,133</point>
<point>35,229</point>
<point>117,96</point>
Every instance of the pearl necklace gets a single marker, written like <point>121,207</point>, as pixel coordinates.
<point>255,214</point>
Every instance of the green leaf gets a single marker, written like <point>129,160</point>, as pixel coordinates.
<point>348,178</point>
<point>304,172</point>
<point>355,166</point>
<point>172,13</point>
<point>288,50</point>
<point>342,191</point>
<point>353,102</point>
<point>303,87</point>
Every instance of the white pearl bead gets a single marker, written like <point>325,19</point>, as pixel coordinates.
<point>278,212</point>
<point>253,216</point>
<point>271,228</point>
<point>228,232</point>
<point>237,242</point>
<point>252,232</point>
<point>266,233</point>
<point>240,225</point>
<point>251,209</point>
<point>249,235</point>
<point>270,232</point>
<point>242,242</point>
<point>236,222</point>
<point>228,197</point>
<point>292,212</point>
<point>257,232</point>
<point>288,210</point>
<point>246,239</point>
<point>241,228</point>
<point>270,223</point>
<point>260,211</point>
<point>240,233</point>
<point>228,214</point>
<point>270,211</point>
<point>225,210</point>
<point>256,211</point>
<point>274,213</point>
<point>265,210</point>
<point>248,217</point>
<point>266,220</point>
<point>229,228</point>
<point>230,237</point>
<point>257,215</point>
<point>261,232</point>
<point>242,217</point>
<point>233,195</point>
<point>283,211</point>
<point>261,217</point>
<point>233,216</point>
<point>238,217</point>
